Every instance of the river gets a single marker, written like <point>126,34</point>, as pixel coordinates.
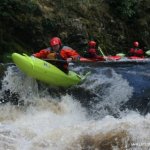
<point>109,111</point>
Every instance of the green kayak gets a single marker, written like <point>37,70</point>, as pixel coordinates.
<point>46,72</point>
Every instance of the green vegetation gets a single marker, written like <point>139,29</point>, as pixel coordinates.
<point>27,25</point>
<point>125,9</point>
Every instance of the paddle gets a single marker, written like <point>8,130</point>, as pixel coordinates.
<point>101,51</point>
<point>56,60</point>
<point>147,52</point>
<point>110,58</point>
<point>82,60</point>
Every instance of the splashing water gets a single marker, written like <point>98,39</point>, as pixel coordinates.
<point>62,123</point>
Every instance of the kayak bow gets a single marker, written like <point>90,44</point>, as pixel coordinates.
<point>46,72</point>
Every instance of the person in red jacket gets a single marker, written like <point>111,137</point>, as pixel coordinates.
<point>92,52</point>
<point>58,51</point>
<point>136,51</point>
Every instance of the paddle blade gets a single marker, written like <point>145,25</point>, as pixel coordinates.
<point>121,55</point>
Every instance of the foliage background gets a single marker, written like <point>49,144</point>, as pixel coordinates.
<point>27,25</point>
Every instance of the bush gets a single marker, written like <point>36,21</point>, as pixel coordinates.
<point>126,9</point>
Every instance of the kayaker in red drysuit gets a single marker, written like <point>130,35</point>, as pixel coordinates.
<point>92,52</point>
<point>136,51</point>
<point>60,52</point>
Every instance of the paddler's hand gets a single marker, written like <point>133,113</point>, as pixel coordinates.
<point>105,58</point>
<point>110,58</point>
<point>69,59</point>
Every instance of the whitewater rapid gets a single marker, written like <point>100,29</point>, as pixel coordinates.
<point>90,116</point>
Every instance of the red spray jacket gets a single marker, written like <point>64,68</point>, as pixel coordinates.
<point>64,53</point>
<point>136,52</point>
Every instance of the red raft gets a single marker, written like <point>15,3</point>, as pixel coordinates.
<point>116,60</point>
<point>136,58</point>
<point>105,58</point>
